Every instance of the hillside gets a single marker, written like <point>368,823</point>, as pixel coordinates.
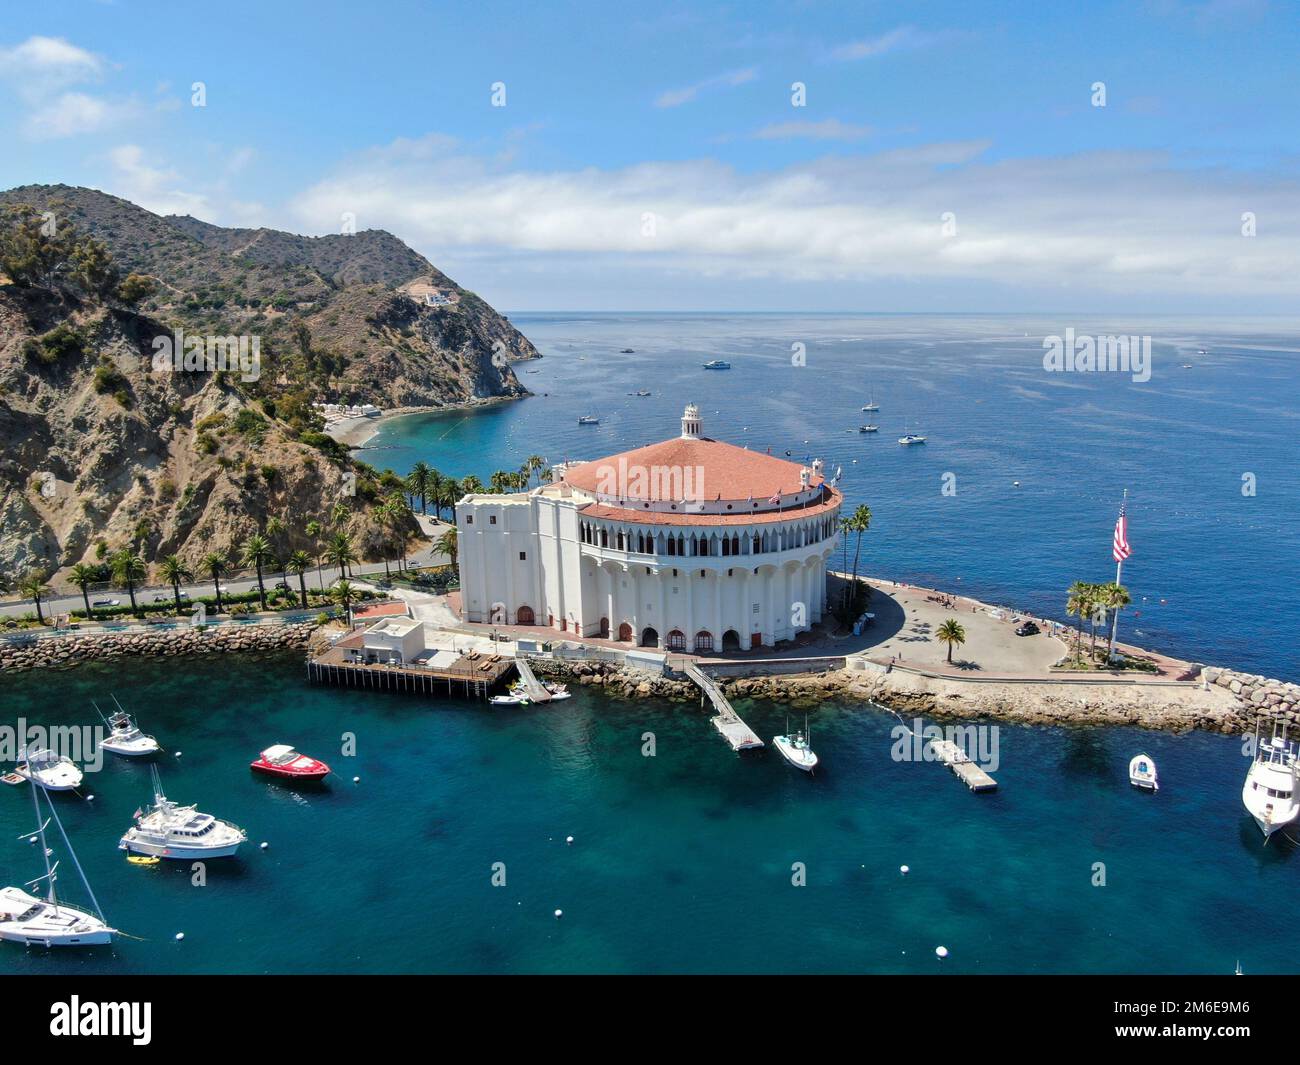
<point>103,450</point>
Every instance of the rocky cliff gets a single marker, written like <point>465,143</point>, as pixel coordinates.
<point>102,446</point>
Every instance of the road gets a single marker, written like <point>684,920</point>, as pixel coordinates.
<point>316,577</point>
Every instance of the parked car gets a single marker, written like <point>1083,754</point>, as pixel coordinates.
<point>106,602</point>
<point>1028,629</point>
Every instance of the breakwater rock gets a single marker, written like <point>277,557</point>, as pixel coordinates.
<point>17,654</point>
<point>1256,696</point>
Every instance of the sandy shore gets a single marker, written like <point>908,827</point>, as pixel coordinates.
<point>357,432</point>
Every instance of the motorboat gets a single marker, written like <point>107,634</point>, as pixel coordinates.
<point>911,438</point>
<point>284,762</point>
<point>124,735</point>
<point>717,364</point>
<point>169,830</point>
<point>52,771</point>
<point>1142,773</point>
<point>46,922</point>
<point>626,351</point>
<point>868,428</point>
<point>1269,791</point>
<point>588,419</point>
<point>795,748</point>
<point>640,392</point>
<point>508,700</point>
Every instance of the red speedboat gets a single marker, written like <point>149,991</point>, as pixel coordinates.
<point>283,761</point>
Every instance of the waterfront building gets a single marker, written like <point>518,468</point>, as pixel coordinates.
<point>689,544</point>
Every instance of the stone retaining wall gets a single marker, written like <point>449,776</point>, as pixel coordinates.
<point>1259,696</point>
<point>69,650</point>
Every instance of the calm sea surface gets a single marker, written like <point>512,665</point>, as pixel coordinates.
<point>682,862</point>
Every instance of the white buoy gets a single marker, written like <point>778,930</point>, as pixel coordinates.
<point>904,870</point>
<point>90,798</point>
<point>941,952</point>
<point>265,845</point>
<point>568,839</point>
<point>559,914</point>
<point>180,936</point>
<point>356,780</point>
<point>178,754</point>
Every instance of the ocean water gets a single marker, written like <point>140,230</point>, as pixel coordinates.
<point>681,862</point>
<point>1212,568</point>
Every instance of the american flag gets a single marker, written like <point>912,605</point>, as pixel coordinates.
<point>1120,549</point>
<point>776,497</point>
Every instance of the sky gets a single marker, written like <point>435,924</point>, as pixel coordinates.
<point>1093,157</point>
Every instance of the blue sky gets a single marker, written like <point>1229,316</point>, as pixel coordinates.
<point>947,156</point>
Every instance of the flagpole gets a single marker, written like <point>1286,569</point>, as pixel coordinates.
<point>1119,570</point>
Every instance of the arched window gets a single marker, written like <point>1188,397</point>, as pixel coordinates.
<point>703,642</point>
<point>524,616</point>
<point>676,640</point>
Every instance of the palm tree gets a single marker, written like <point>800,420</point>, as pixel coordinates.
<point>951,632</point>
<point>174,571</point>
<point>470,485</point>
<point>1077,604</point>
<point>383,516</point>
<point>313,529</point>
<point>83,576</point>
<point>535,464</point>
<point>341,553</point>
<point>447,543</point>
<point>275,532</point>
<point>419,482</point>
<point>215,563</point>
<point>858,522</point>
<point>449,491</point>
<point>33,587</point>
<point>129,567</point>
<point>339,513</point>
<point>343,593</point>
<point>500,481</point>
<point>1115,597</point>
<point>256,553</point>
<point>300,563</point>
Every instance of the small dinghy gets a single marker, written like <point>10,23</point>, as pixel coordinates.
<point>795,748</point>
<point>1142,773</point>
<point>508,700</point>
<point>142,859</point>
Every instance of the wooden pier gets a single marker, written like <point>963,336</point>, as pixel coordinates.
<point>471,676</point>
<point>959,762</point>
<point>727,721</point>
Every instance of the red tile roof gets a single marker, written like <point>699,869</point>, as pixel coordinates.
<point>380,610</point>
<point>830,498</point>
<point>723,470</point>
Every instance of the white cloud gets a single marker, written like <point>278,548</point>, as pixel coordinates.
<point>51,60</point>
<point>150,183</point>
<point>830,129</point>
<point>72,113</point>
<point>900,37</point>
<point>677,97</point>
<point>41,70</point>
<point>1122,222</point>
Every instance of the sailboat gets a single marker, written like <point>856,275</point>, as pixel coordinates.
<point>47,922</point>
<point>871,403</point>
<point>795,748</point>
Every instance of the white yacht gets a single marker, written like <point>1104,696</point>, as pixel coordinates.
<point>1269,791</point>
<point>868,428</point>
<point>871,403</point>
<point>124,735</point>
<point>912,438</point>
<point>1142,773</point>
<point>47,922</point>
<point>52,771</point>
<point>588,419</point>
<point>795,748</point>
<point>168,830</point>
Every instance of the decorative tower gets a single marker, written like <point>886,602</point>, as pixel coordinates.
<point>691,422</point>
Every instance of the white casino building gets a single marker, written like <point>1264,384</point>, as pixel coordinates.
<point>690,544</point>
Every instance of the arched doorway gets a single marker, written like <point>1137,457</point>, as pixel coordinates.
<point>731,640</point>
<point>524,616</point>
<point>625,633</point>
<point>604,628</point>
<point>649,638</point>
<point>676,640</point>
<point>703,642</point>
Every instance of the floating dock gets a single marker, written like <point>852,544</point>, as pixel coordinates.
<point>959,762</point>
<point>727,721</point>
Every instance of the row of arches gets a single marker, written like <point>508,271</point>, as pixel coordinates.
<point>714,545</point>
<point>675,640</point>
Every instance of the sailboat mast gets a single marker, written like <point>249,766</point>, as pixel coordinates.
<point>40,832</point>
<point>67,843</point>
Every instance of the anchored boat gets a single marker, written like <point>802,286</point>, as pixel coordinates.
<point>52,771</point>
<point>717,364</point>
<point>795,748</point>
<point>124,735</point>
<point>1269,791</point>
<point>169,830</point>
<point>1142,773</point>
<point>47,922</point>
<point>283,761</point>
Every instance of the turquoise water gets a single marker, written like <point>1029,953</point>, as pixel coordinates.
<point>1205,571</point>
<point>681,862</point>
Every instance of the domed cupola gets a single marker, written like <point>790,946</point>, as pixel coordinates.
<point>691,422</point>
